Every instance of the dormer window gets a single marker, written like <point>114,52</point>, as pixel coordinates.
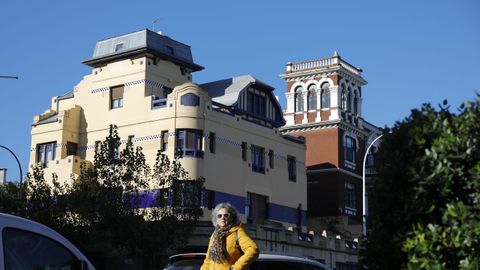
<point>119,47</point>
<point>256,103</point>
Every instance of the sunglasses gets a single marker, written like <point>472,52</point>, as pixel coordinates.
<point>227,215</point>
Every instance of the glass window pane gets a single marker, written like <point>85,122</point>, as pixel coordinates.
<point>27,250</point>
<point>190,144</point>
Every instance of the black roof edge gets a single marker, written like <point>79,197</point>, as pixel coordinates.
<point>98,61</point>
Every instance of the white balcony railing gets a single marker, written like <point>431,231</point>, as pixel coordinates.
<point>320,63</point>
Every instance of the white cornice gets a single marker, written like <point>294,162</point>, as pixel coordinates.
<point>310,73</point>
<point>344,73</point>
<point>323,72</point>
<point>324,125</point>
<point>310,126</point>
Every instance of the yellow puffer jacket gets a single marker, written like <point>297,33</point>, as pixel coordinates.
<point>235,257</point>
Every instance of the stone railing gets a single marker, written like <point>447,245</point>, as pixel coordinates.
<point>320,63</point>
<point>292,67</point>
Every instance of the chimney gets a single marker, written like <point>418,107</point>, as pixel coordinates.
<point>3,175</point>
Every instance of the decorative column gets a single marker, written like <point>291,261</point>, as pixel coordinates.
<point>318,118</point>
<point>305,106</point>
<point>334,103</point>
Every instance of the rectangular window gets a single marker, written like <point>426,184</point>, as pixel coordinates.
<point>370,157</point>
<point>116,97</point>
<point>271,157</point>
<point>212,144</point>
<point>258,160</point>
<point>292,168</point>
<point>244,151</point>
<point>46,153</point>
<point>350,149</point>
<point>164,141</point>
<point>189,142</point>
<point>72,149</point>
<point>350,196</point>
<point>256,208</point>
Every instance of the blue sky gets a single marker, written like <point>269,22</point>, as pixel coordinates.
<point>411,52</point>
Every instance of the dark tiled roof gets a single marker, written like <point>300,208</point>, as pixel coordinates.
<point>142,42</point>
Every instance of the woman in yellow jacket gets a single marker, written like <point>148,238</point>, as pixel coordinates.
<point>230,247</point>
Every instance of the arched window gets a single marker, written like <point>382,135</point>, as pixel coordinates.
<point>349,100</point>
<point>355,103</point>
<point>344,98</point>
<point>299,99</point>
<point>325,95</point>
<point>312,97</point>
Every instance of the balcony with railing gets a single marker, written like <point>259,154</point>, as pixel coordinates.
<point>158,102</point>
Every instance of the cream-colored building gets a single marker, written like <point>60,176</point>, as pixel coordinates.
<point>227,129</point>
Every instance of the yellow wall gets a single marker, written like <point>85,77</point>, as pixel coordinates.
<point>86,118</point>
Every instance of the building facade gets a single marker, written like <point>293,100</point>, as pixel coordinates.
<point>324,106</point>
<point>227,130</point>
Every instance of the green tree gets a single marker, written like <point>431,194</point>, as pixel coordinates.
<point>425,203</point>
<point>11,198</point>
<point>114,210</point>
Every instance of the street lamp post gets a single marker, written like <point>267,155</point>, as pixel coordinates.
<point>8,77</point>
<point>364,218</point>
<point>18,162</point>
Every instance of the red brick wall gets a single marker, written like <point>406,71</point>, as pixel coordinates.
<point>322,146</point>
<point>325,115</point>
<point>298,118</point>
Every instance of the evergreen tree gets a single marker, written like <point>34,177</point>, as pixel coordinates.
<point>113,209</point>
<point>425,203</point>
<point>11,198</point>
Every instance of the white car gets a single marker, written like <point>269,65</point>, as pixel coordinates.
<point>27,245</point>
<point>193,261</point>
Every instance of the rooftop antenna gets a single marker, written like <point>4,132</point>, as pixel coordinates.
<point>154,22</point>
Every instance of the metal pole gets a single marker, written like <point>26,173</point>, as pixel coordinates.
<point>364,219</point>
<point>8,77</point>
